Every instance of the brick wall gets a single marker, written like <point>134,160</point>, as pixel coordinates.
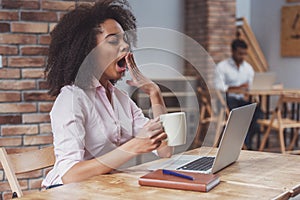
<point>212,24</point>
<point>24,103</point>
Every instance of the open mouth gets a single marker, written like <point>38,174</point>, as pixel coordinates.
<point>122,62</point>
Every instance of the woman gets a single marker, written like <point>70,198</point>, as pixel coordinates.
<point>97,127</point>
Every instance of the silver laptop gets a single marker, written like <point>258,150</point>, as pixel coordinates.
<point>229,149</point>
<point>263,81</point>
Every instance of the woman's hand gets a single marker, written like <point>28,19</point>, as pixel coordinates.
<point>149,138</point>
<point>138,79</point>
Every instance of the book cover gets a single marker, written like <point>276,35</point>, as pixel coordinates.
<point>201,182</point>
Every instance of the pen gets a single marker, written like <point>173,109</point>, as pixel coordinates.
<point>168,172</point>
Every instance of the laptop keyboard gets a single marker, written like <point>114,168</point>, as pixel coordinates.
<point>201,164</point>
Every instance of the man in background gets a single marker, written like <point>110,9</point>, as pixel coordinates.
<point>235,73</point>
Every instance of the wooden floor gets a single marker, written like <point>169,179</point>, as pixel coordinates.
<point>273,143</point>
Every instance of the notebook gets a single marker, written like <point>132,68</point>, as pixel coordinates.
<point>229,149</point>
<point>263,81</point>
<point>200,182</point>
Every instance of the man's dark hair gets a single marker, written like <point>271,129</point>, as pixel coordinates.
<point>74,37</point>
<point>238,43</point>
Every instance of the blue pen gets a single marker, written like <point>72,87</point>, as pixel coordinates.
<point>168,172</point>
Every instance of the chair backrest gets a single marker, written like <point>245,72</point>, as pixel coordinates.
<point>213,109</point>
<point>209,100</point>
<point>19,163</point>
<point>285,116</point>
<point>284,104</point>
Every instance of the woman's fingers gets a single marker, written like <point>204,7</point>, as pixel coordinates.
<point>161,136</point>
<point>134,70</point>
<point>152,128</point>
<point>129,65</point>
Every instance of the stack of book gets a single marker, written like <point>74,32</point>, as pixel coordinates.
<point>180,180</point>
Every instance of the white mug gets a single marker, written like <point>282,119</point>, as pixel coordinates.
<point>175,127</point>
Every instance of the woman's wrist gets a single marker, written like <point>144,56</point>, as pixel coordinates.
<point>129,147</point>
<point>152,89</point>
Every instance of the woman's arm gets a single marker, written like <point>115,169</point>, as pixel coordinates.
<point>148,139</point>
<point>156,99</point>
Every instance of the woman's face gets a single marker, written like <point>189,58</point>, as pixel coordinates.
<point>112,49</point>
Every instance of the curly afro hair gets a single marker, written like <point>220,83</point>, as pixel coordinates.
<point>75,36</point>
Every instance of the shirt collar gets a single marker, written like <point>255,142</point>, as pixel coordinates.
<point>94,84</point>
<point>232,63</point>
<point>110,86</point>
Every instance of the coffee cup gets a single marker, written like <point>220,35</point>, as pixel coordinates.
<point>175,127</point>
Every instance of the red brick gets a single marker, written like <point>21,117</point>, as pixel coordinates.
<point>19,130</point>
<point>9,15</point>
<point>34,50</point>
<point>17,39</point>
<point>33,73</point>
<point>17,4</point>
<point>44,39</point>
<point>11,141</point>
<point>35,183</point>
<point>45,107</point>
<point>4,186</point>
<point>17,107</point>
<point>17,85</point>
<point>10,96</point>
<point>37,140</point>
<point>29,27</point>
<point>37,96</point>
<point>26,61</point>
<point>57,5</point>
<point>6,73</point>
<point>35,118</point>
<point>8,50</point>
<point>10,119</point>
<point>6,195</point>
<point>43,85</point>
<point>39,16</point>
<point>4,61</point>
<point>45,128</point>
<point>4,27</point>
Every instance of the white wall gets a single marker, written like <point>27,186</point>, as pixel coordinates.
<point>167,14</point>
<point>243,8</point>
<point>159,13</point>
<point>266,23</point>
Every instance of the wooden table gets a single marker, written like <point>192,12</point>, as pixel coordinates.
<point>266,93</point>
<point>256,175</point>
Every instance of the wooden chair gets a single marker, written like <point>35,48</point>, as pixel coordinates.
<point>282,118</point>
<point>19,163</point>
<point>209,115</point>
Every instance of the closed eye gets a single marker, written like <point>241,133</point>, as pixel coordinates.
<point>113,39</point>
